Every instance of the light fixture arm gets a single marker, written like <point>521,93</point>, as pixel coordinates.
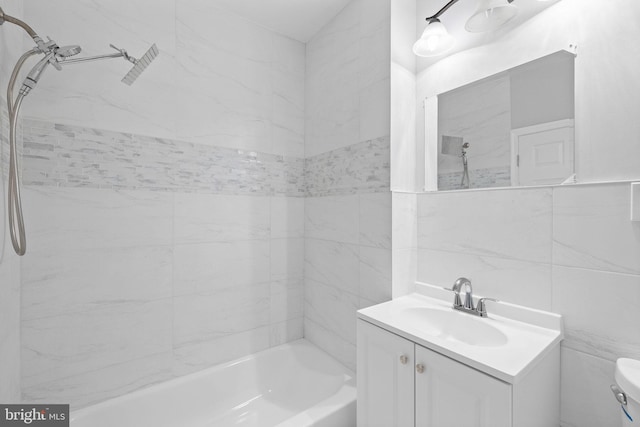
<point>444,9</point>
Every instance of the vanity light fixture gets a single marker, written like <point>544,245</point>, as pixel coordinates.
<point>435,40</point>
<point>489,15</point>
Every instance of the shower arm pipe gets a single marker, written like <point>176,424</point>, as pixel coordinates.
<point>91,58</point>
<point>120,54</point>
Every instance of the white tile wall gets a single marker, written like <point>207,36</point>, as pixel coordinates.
<point>333,218</point>
<point>514,224</point>
<point>332,263</point>
<point>347,79</point>
<point>569,249</point>
<point>216,266</point>
<point>9,322</point>
<point>10,386</point>
<point>183,281</point>
<point>348,204</point>
<point>592,229</point>
<point>519,282</point>
<point>220,218</point>
<point>101,335</point>
<point>89,218</point>
<point>374,220</point>
<point>600,311</point>
<point>347,266</point>
<point>586,399</point>
<point>287,217</point>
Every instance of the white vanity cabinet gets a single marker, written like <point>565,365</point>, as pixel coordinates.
<point>404,384</point>
<point>385,378</point>
<point>448,393</point>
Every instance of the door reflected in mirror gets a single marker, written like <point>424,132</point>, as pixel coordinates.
<point>515,128</point>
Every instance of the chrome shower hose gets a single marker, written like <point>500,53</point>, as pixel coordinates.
<point>16,221</point>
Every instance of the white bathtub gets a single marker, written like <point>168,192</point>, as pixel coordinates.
<point>293,385</point>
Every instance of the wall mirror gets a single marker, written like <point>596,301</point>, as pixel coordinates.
<point>513,128</point>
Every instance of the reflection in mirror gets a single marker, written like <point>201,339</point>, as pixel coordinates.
<point>513,128</point>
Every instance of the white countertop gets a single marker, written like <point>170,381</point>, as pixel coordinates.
<point>530,334</point>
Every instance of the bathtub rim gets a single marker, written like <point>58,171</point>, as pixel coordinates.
<point>337,401</point>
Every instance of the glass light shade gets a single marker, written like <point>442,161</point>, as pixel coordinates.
<point>491,14</point>
<point>435,40</point>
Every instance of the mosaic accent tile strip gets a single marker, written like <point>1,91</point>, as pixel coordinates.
<point>359,168</point>
<point>479,178</point>
<point>72,156</point>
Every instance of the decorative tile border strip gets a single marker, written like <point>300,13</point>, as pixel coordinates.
<point>479,178</point>
<point>359,168</point>
<point>72,156</point>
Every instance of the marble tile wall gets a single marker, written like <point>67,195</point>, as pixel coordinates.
<point>569,249</point>
<point>165,220</point>
<point>348,78</point>
<point>347,266</point>
<point>347,224</point>
<point>9,283</point>
<point>125,288</point>
<point>219,80</point>
<point>10,50</point>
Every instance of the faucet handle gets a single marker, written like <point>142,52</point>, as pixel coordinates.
<point>457,302</point>
<point>481,308</point>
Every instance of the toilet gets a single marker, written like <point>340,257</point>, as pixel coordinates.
<point>627,390</point>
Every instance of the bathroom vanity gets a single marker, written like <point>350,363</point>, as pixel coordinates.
<point>421,363</point>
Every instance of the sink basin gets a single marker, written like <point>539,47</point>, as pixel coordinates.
<point>456,326</point>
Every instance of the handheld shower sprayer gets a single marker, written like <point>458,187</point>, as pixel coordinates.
<point>465,167</point>
<point>56,56</point>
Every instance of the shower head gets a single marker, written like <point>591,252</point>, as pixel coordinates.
<point>67,51</point>
<point>140,65</point>
<point>451,145</point>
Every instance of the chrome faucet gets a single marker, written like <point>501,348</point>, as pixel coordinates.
<point>468,307</point>
<point>468,295</point>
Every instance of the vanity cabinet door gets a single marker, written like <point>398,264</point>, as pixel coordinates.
<point>450,394</point>
<point>385,378</point>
